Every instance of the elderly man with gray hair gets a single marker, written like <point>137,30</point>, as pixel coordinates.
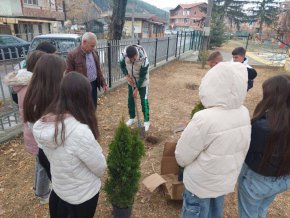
<point>85,60</point>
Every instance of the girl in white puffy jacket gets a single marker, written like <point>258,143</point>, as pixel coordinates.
<point>68,134</point>
<point>214,145</point>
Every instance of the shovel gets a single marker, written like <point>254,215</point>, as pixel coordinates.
<point>140,126</point>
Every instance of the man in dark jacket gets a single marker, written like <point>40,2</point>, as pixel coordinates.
<point>85,60</point>
<point>239,55</point>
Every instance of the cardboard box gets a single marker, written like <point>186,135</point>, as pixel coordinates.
<point>168,179</point>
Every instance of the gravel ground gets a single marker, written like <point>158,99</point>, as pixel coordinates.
<point>173,93</point>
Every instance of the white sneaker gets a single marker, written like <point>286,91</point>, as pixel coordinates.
<point>131,121</point>
<point>146,125</point>
<point>44,200</point>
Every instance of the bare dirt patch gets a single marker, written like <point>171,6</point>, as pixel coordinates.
<point>171,103</point>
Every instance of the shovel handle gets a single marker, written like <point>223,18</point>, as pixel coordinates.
<point>137,111</point>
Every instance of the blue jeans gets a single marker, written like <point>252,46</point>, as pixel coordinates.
<point>41,181</point>
<point>256,192</point>
<point>194,206</point>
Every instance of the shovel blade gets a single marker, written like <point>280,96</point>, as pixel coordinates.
<point>141,131</point>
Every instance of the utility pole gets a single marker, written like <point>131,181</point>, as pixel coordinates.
<point>207,24</point>
<point>133,19</point>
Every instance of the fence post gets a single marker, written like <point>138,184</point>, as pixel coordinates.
<point>184,42</point>
<point>203,38</point>
<point>167,49</point>
<point>193,40</point>
<point>190,41</point>
<point>110,64</point>
<point>155,59</point>
<point>176,44</point>
<point>248,37</point>
<point>180,44</point>
<point>199,40</point>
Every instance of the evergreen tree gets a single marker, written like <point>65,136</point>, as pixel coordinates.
<point>232,10</point>
<point>264,11</point>
<point>217,37</point>
<point>124,172</point>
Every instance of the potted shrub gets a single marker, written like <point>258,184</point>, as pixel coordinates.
<point>197,107</point>
<point>124,159</point>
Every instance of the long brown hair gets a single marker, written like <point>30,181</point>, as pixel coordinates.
<point>32,59</point>
<point>43,87</point>
<point>275,105</point>
<point>75,99</point>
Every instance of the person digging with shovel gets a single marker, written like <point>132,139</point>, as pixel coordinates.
<point>135,66</point>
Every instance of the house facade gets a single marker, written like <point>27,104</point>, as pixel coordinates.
<point>145,26</point>
<point>29,18</point>
<point>188,17</point>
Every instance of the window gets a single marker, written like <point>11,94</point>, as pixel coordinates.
<point>145,28</point>
<point>40,28</point>
<point>31,2</point>
<point>7,40</point>
<point>62,45</point>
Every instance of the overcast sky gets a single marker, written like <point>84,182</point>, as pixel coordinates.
<point>171,3</point>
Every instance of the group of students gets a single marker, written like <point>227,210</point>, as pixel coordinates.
<point>222,146</point>
<point>239,55</point>
<point>61,130</point>
<point>57,101</point>
<point>219,146</point>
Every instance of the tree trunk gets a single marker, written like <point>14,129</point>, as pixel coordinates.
<point>207,23</point>
<point>261,28</point>
<point>118,19</point>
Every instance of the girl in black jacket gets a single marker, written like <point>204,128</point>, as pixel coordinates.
<point>266,171</point>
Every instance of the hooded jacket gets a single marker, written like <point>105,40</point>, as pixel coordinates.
<point>19,81</point>
<point>214,145</point>
<point>77,165</point>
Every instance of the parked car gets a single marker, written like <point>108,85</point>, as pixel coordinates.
<point>63,42</point>
<point>12,47</point>
<point>228,35</point>
<point>167,32</point>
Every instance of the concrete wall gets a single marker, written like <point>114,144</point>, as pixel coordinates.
<point>10,8</point>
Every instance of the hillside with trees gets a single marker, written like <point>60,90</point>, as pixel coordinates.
<point>140,7</point>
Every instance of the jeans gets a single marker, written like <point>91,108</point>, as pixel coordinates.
<point>41,181</point>
<point>194,206</point>
<point>257,192</point>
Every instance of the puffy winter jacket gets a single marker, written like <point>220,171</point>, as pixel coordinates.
<point>19,81</point>
<point>77,165</point>
<point>214,145</point>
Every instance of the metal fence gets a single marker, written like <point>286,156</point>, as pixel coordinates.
<point>157,49</point>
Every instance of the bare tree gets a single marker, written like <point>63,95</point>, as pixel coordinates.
<point>118,19</point>
<point>81,11</point>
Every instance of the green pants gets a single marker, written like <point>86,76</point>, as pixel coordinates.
<point>143,92</point>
